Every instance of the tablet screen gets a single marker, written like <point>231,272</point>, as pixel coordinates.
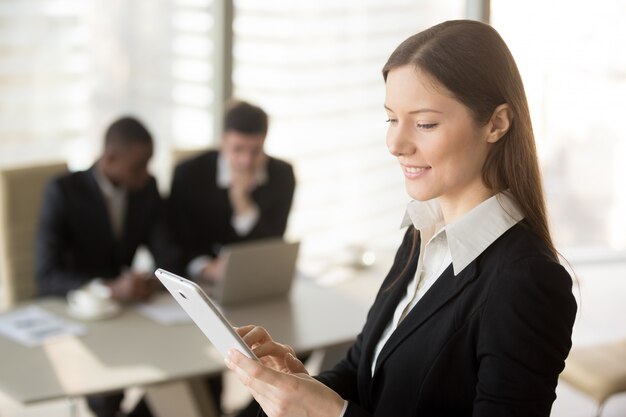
<point>204,313</point>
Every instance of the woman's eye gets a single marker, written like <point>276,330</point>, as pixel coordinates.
<point>390,120</point>
<point>426,126</point>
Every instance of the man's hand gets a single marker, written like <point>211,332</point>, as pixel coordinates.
<point>131,287</point>
<point>239,193</point>
<point>214,270</point>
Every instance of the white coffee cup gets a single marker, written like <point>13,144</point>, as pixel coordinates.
<point>86,304</point>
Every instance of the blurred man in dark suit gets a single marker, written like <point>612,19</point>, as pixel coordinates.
<point>237,193</point>
<point>92,223</point>
<point>233,194</point>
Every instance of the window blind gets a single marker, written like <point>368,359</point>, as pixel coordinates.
<point>316,68</point>
<point>68,68</point>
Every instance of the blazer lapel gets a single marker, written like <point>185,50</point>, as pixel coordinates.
<point>381,314</point>
<point>443,290</point>
<point>384,312</point>
<point>109,241</point>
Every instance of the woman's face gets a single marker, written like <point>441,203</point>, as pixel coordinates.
<point>440,148</point>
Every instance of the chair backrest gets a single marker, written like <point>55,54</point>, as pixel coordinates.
<point>21,192</point>
<point>179,155</point>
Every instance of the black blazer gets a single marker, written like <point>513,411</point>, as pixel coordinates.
<point>75,241</point>
<point>200,212</point>
<point>488,342</point>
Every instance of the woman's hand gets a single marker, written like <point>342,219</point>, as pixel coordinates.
<point>269,352</point>
<point>291,393</point>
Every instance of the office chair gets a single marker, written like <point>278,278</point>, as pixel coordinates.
<point>21,192</point>
<point>598,371</point>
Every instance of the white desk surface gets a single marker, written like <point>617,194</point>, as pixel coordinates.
<point>131,350</point>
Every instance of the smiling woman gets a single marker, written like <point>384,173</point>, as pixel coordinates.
<point>439,146</point>
<point>475,316</point>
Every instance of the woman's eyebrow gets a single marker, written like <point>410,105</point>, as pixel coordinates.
<point>424,110</point>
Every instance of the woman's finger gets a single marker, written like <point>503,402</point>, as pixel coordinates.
<point>271,349</point>
<point>265,400</point>
<point>257,335</point>
<point>294,365</point>
<point>252,373</point>
<point>243,330</point>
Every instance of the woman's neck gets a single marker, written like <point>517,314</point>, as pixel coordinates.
<point>456,206</point>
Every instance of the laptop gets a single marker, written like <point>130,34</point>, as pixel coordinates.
<point>255,271</point>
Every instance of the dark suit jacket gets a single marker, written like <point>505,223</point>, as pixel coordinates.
<point>75,242</point>
<point>200,212</point>
<point>488,342</point>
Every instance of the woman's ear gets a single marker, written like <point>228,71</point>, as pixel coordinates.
<point>499,123</point>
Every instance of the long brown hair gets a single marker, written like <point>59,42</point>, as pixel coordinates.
<point>471,60</point>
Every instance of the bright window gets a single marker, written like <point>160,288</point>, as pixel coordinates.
<point>68,68</point>
<point>316,68</point>
<point>571,56</point>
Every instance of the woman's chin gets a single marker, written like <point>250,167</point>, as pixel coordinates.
<point>419,194</point>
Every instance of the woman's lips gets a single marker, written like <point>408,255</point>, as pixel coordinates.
<point>414,171</point>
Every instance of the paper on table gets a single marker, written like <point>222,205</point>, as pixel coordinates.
<point>32,326</point>
<point>164,310</point>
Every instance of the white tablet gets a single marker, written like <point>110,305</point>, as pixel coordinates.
<point>204,313</point>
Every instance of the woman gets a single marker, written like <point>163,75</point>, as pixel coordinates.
<point>476,313</point>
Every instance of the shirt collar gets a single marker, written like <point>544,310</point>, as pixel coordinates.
<point>474,232</point>
<point>224,176</point>
<point>106,186</point>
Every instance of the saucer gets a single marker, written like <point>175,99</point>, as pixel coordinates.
<point>110,310</point>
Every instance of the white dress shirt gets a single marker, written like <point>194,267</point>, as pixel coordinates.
<point>242,223</point>
<point>115,201</point>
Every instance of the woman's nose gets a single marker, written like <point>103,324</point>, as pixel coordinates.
<point>399,141</point>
